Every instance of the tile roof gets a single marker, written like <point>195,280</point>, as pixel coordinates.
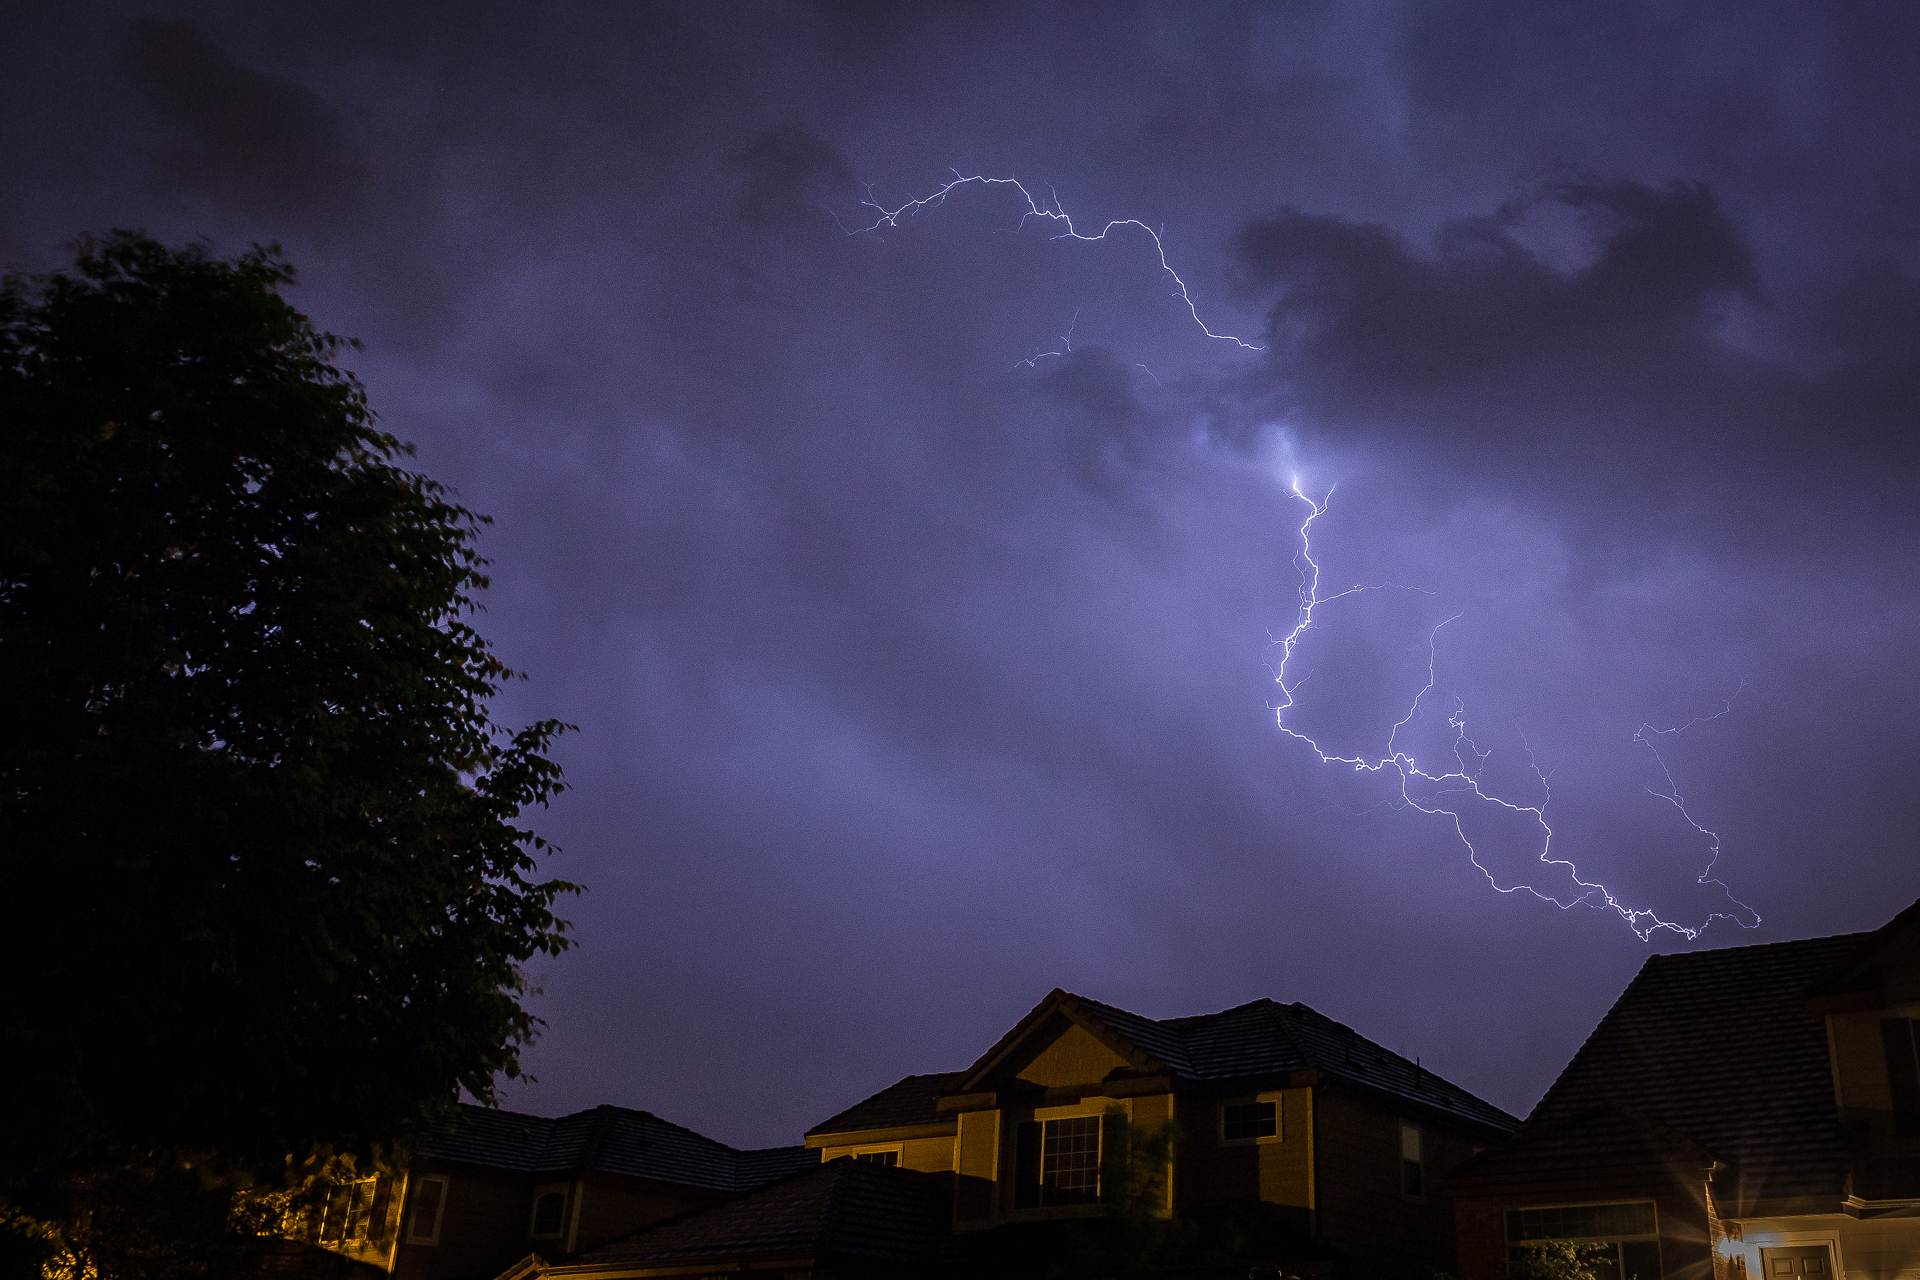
<point>1718,1046</point>
<point>905,1102</point>
<point>843,1209</point>
<point>604,1139</point>
<point>1260,1038</point>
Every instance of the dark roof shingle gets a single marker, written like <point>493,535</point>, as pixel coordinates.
<point>908,1101</point>
<point>1260,1038</point>
<point>844,1208</point>
<point>604,1139</point>
<point>1718,1046</point>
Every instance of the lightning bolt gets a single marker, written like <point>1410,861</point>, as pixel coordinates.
<point>1051,212</point>
<point>1461,777</point>
<point>1066,345</point>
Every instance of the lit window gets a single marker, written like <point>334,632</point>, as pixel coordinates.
<point>428,1203</point>
<point>1615,1241</point>
<point>549,1212</point>
<point>1249,1121</point>
<point>347,1217</point>
<point>1413,1168</point>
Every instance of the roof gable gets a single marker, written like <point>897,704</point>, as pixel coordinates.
<point>1119,1032</point>
<point>1069,1039</point>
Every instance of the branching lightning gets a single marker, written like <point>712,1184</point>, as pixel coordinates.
<point>1447,789</point>
<point>1461,777</point>
<point>1051,212</point>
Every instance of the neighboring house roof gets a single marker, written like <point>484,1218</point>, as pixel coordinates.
<point>841,1209</point>
<point>1260,1038</point>
<point>604,1139</point>
<point>1718,1047</point>
<point>906,1102</point>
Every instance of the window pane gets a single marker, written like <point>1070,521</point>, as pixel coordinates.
<point>360,1209</point>
<point>1240,1121</point>
<point>1580,1222</point>
<point>879,1157</point>
<point>549,1213</point>
<point>1412,1178</point>
<point>1640,1260</point>
<point>1070,1161</point>
<point>426,1209</point>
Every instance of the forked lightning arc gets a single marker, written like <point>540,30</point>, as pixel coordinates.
<point>1051,212</point>
<point>1460,778</point>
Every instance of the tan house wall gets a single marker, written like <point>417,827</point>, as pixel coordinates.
<point>927,1154</point>
<point>976,1191</point>
<point>1362,1210</point>
<point>615,1207</point>
<point>1074,1057</point>
<point>483,1227</point>
<point>1279,1171</point>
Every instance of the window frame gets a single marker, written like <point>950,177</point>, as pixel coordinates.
<point>411,1235</point>
<point>349,1189</point>
<point>1650,1237</point>
<point>898,1150</point>
<point>1270,1098</point>
<point>562,1189</point>
<point>1098,1111</point>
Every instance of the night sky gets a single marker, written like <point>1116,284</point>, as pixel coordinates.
<point>912,680</point>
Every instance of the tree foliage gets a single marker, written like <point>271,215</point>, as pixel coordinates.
<point>269,883</point>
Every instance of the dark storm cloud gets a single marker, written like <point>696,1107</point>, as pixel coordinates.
<point>1375,322</point>
<point>257,141</point>
<point>1601,353</point>
<point>914,681</point>
<point>787,176</point>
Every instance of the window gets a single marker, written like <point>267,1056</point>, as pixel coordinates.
<point>1249,1120</point>
<point>878,1157</point>
<point>1057,1162</point>
<point>1070,1161</point>
<point>1413,1168</point>
<point>549,1212</point>
<point>347,1216</point>
<point>1902,1039</point>
<point>428,1203</point>
<point>1618,1241</point>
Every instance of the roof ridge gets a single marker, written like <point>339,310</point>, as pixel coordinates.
<point>1708,952</point>
<point>1273,1008</point>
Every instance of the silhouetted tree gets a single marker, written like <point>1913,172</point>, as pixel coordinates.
<point>268,888</point>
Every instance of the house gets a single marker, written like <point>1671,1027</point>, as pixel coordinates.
<point>1334,1140</point>
<point>843,1220</point>
<point>1749,1111</point>
<point>486,1187</point>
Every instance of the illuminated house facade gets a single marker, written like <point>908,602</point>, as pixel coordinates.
<point>1319,1136</point>
<point>487,1187</point>
<point>1746,1112</point>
